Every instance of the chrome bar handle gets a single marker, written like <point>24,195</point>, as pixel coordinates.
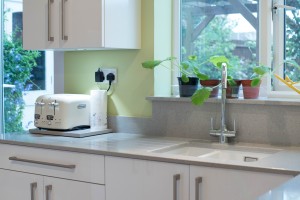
<point>234,129</point>
<point>176,178</point>
<point>50,38</point>
<point>198,180</point>
<point>14,158</point>
<point>64,37</point>
<point>211,123</point>
<point>32,189</point>
<point>48,190</point>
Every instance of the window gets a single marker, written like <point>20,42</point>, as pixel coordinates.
<point>286,17</point>
<point>26,74</point>
<point>227,28</point>
<point>248,32</point>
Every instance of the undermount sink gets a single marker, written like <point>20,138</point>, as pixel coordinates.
<point>235,155</point>
<point>218,151</point>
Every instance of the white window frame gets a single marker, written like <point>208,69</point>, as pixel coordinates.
<point>266,40</point>
<point>280,89</point>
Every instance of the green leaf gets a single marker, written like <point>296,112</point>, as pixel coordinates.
<point>255,82</point>
<point>201,95</point>
<point>184,78</point>
<point>261,70</point>
<point>200,75</point>
<point>231,82</point>
<point>185,65</point>
<point>218,60</point>
<point>192,57</point>
<point>150,64</point>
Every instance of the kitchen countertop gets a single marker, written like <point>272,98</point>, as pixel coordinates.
<point>284,161</point>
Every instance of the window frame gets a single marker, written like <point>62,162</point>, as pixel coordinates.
<point>268,23</point>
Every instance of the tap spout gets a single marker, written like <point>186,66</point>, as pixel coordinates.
<point>223,133</point>
<point>223,102</point>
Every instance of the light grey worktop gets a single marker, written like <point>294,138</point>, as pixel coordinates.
<point>287,191</point>
<point>285,161</point>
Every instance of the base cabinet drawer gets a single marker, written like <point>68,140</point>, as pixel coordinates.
<point>54,163</point>
<point>19,186</point>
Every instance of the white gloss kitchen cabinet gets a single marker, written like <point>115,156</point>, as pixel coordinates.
<point>78,24</point>
<point>207,183</point>
<point>140,179</point>
<point>44,174</point>
<point>19,185</point>
<point>132,179</point>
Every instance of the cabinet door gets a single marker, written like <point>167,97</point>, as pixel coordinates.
<point>81,24</point>
<point>145,180</point>
<point>231,184</point>
<point>61,189</point>
<point>41,19</point>
<point>18,185</point>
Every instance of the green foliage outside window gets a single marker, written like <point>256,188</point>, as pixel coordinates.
<point>18,64</point>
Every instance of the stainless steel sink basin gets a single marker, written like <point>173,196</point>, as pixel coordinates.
<point>218,151</point>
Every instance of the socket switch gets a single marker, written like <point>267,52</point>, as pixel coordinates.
<point>107,71</point>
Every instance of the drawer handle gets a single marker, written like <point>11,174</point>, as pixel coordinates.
<point>64,37</point>
<point>176,178</point>
<point>48,189</point>
<point>50,38</point>
<point>198,180</point>
<point>14,158</point>
<point>33,186</point>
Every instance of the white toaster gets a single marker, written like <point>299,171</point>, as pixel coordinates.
<point>62,111</point>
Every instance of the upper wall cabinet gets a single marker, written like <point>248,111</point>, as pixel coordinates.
<point>81,24</point>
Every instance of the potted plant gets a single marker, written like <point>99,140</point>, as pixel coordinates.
<point>251,86</point>
<point>188,82</point>
<point>190,69</point>
<point>210,85</point>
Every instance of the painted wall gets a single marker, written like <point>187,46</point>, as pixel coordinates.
<point>134,82</point>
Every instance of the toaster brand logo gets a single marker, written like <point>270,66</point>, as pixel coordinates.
<point>81,106</point>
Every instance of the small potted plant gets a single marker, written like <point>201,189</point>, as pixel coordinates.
<point>251,86</point>
<point>188,82</point>
<point>190,70</point>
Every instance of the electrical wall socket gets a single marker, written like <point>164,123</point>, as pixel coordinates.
<point>107,71</point>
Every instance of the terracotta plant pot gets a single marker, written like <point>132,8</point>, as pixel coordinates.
<point>232,92</point>
<point>211,83</point>
<point>189,88</point>
<point>250,92</point>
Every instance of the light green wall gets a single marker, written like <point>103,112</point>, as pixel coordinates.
<point>134,82</point>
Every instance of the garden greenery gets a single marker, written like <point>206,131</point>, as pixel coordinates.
<point>18,64</point>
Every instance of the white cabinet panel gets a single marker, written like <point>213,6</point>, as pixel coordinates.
<point>40,23</point>
<point>231,184</point>
<point>17,186</point>
<point>145,180</point>
<point>87,167</point>
<point>77,24</point>
<point>59,189</point>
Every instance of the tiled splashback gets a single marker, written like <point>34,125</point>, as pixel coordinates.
<point>277,124</point>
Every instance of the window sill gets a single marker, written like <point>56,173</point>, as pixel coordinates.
<point>260,101</point>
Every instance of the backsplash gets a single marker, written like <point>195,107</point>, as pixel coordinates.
<point>255,123</point>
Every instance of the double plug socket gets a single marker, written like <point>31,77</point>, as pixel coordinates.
<point>106,71</point>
